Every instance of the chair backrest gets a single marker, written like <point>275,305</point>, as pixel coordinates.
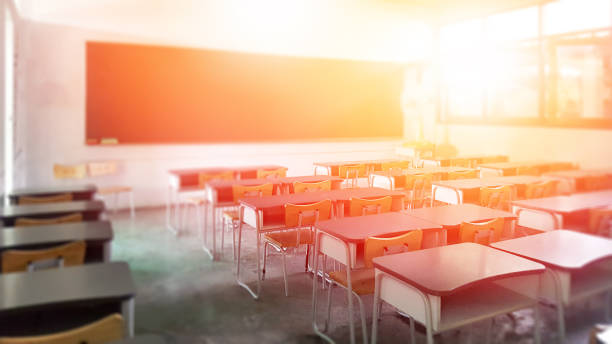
<point>102,168</point>
<point>528,171</point>
<point>352,171</point>
<point>204,178</point>
<point>66,197</point>
<point>18,260</point>
<point>29,221</point>
<point>419,186</point>
<point>497,197</point>
<point>105,330</point>
<point>468,174</point>
<point>541,189</point>
<point>481,232</point>
<point>300,187</point>
<point>69,171</point>
<point>242,191</point>
<point>278,173</point>
<point>376,247</point>
<point>298,215</point>
<point>594,183</point>
<point>395,165</point>
<point>460,162</point>
<point>360,206</point>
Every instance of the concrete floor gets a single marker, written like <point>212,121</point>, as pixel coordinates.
<point>185,298</point>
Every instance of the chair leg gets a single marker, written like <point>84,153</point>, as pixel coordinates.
<point>412,332</point>
<point>233,240</point>
<point>364,328</point>
<point>265,256</point>
<point>323,267</point>
<point>307,254</point>
<point>283,254</point>
<point>329,300</point>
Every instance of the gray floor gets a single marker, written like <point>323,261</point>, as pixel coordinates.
<point>186,298</point>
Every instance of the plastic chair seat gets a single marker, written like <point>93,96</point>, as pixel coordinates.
<point>113,190</point>
<point>285,239</point>
<point>362,280</point>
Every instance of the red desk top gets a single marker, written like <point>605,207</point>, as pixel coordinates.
<point>260,203</point>
<point>216,170</point>
<point>569,204</point>
<point>220,184</point>
<point>453,215</point>
<point>356,162</point>
<point>574,174</point>
<point>517,164</point>
<point>358,229</point>
<point>444,270</point>
<point>469,157</point>
<point>560,248</point>
<point>432,170</point>
<point>477,183</point>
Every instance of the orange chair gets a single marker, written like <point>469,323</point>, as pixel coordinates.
<point>497,197</point>
<point>595,183</point>
<point>469,174</point>
<point>528,171</point>
<point>27,260</point>
<point>67,197</point>
<point>418,190</point>
<point>232,216</point>
<point>106,330</point>
<point>460,162</point>
<point>204,178</point>
<point>360,206</point>
<point>600,221</point>
<point>296,218</point>
<point>360,281</point>
<point>69,171</point>
<point>352,173</point>
<point>541,189</point>
<point>109,168</point>
<point>394,165</point>
<point>481,232</point>
<point>300,187</point>
<point>278,173</point>
<point>29,221</point>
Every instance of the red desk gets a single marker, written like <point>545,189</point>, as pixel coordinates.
<point>187,180</point>
<point>395,179</point>
<point>576,178</point>
<point>451,216</point>
<point>579,265</point>
<point>267,214</point>
<point>468,190</point>
<point>511,168</point>
<point>451,286</point>
<point>473,160</point>
<point>332,168</point>
<point>560,211</point>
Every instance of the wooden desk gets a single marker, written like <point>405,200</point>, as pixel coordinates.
<point>578,265</point>
<point>52,290</point>
<point>267,214</point>
<point>395,179</point>
<point>79,192</point>
<point>451,286</point>
<point>451,216</point>
<point>511,168</point>
<point>220,195</point>
<point>560,211</point>
<point>576,178</point>
<point>332,168</point>
<point>96,234</point>
<point>187,180</point>
<point>468,190</point>
<point>91,211</point>
<point>473,159</point>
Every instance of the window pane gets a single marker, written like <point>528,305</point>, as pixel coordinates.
<point>576,15</point>
<point>513,26</point>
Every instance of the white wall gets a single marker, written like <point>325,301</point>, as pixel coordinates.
<point>51,88</point>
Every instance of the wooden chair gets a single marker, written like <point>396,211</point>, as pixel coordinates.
<point>300,187</point>
<point>105,330</point>
<point>469,174</point>
<point>278,173</point>
<point>352,173</point>
<point>232,216</point>
<point>600,221</point>
<point>418,190</point>
<point>528,171</point>
<point>69,171</point>
<point>360,206</point>
<point>29,221</point>
<point>66,197</point>
<point>360,281</point>
<point>296,218</point>
<point>109,168</point>
<point>26,260</point>
<point>497,197</point>
<point>481,232</point>
<point>541,189</point>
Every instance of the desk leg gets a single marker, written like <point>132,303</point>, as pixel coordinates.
<point>106,254</point>
<point>560,310</point>
<point>127,310</point>
<point>241,283</point>
<point>205,246</point>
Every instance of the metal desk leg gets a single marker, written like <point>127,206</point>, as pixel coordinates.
<point>241,283</point>
<point>127,310</point>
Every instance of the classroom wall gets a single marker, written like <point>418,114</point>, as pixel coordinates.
<point>51,97</point>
